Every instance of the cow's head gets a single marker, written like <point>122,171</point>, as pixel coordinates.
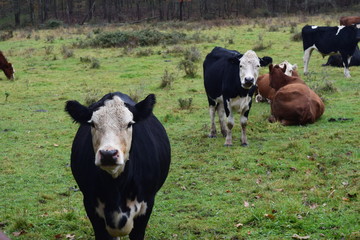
<point>277,76</point>
<point>111,129</point>
<point>9,71</point>
<point>6,67</point>
<point>249,65</point>
<point>290,69</point>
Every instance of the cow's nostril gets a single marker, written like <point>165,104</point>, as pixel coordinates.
<point>249,80</point>
<point>108,156</point>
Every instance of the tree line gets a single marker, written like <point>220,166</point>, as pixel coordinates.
<point>34,12</point>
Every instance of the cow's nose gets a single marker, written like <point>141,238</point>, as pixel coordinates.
<point>249,80</point>
<point>108,157</point>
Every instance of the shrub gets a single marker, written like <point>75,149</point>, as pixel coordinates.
<point>188,64</point>
<point>52,23</point>
<point>6,35</point>
<point>185,103</point>
<point>95,63</point>
<point>144,52</point>
<point>296,37</point>
<point>49,50</point>
<point>167,79</point>
<point>66,52</point>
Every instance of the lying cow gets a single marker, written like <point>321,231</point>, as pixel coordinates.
<point>264,92</point>
<point>347,21</point>
<point>6,67</point>
<point>328,41</point>
<point>120,158</point>
<point>230,82</point>
<point>336,61</point>
<point>294,102</point>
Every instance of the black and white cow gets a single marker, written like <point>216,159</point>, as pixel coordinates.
<point>120,158</point>
<point>336,61</point>
<point>330,40</point>
<point>230,82</point>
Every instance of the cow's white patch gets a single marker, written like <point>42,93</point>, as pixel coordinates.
<point>314,27</point>
<point>112,131</point>
<point>136,209</point>
<point>339,29</point>
<point>249,68</point>
<point>289,67</point>
<point>239,104</point>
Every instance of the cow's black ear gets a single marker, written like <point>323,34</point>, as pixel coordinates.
<point>235,59</point>
<point>270,67</point>
<point>265,61</point>
<point>78,112</point>
<point>144,108</point>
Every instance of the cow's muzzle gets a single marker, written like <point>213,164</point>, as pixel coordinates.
<point>249,82</point>
<point>109,157</point>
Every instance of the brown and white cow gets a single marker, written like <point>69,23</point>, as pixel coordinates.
<point>294,103</point>
<point>265,93</point>
<point>6,67</point>
<point>349,20</point>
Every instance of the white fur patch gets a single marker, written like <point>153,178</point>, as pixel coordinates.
<point>314,27</point>
<point>339,29</point>
<point>136,209</point>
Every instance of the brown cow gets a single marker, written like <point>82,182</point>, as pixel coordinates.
<point>347,21</point>
<point>6,67</point>
<point>264,92</point>
<point>294,102</point>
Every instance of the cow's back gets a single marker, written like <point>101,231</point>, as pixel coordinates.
<point>296,104</point>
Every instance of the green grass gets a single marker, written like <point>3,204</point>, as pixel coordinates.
<point>304,178</point>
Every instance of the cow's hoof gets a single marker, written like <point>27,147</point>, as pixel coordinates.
<point>227,145</point>
<point>244,144</point>
<point>211,136</point>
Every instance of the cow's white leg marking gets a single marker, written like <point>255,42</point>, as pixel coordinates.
<point>306,58</point>
<point>222,118</point>
<point>243,122</point>
<point>230,125</point>
<point>136,209</point>
<point>212,119</point>
<point>347,72</point>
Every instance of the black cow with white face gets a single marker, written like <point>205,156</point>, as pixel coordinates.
<point>120,158</point>
<point>230,82</point>
<point>329,41</point>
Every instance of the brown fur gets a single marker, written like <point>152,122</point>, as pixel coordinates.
<point>6,67</point>
<point>294,103</point>
<point>264,91</point>
<point>347,21</point>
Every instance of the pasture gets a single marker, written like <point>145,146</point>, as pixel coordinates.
<point>301,180</point>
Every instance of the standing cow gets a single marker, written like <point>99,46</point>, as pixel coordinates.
<point>6,67</point>
<point>120,158</point>
<point>230,82</point>
<point>330,40</point>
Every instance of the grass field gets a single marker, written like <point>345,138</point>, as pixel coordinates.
<point>300,180</point>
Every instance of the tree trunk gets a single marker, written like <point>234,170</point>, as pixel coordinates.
<point>181,3</point>
<point>17,12</point>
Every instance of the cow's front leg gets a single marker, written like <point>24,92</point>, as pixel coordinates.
<point>243,122</point>
<point>306,59</point>
<point>230,125</point>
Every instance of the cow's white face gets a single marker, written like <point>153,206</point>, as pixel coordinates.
<point>289,67</point>
<point>112,135</point>
<point>249,69</point>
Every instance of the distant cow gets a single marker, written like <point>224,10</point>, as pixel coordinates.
<point>265,93</point>
<point>6,67</point>
<point>120,158</point>
<point>230,82</point>
<point>330,40</point>
<point>294,102</point>
<point>347,21</point>
<point>336,61</point>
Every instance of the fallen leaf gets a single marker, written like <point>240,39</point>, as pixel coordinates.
<point>273,211</point>
<point>246,204</point>
<point>56,145</point>
<point>279,189</point>
<point>70,236</point>
<point>58,236</point>
<point>258,181</point>
<point>270,216</point>
<point>295,236</point>
<point>239,225</point>
<point>16,234</point>
<point>313,206</point>
<point>346,199</point>
<point>228,191</point>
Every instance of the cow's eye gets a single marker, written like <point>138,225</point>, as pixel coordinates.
<point>130,124</point>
